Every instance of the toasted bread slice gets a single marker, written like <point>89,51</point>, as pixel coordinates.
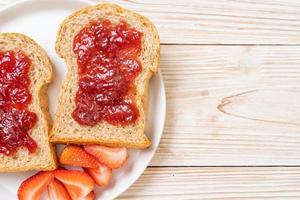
<point>65,128</point>
<point>40,76</point>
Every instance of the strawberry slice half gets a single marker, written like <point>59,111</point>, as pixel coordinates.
<point>33,187</point>
<point>101,175</point>
<point>78,184</point>
<point>111,157</point>
<point>57,191</point>
<point>76,156</point>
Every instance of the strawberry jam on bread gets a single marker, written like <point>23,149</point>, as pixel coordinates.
<point>111,54</point>
<point>25,72</point>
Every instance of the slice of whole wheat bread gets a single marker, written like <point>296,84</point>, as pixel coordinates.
<point>65,128</point>
<point>40,74</point>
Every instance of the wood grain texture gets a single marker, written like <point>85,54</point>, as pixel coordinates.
<point>216,183</point>
<point>231,105</point>
<point>219,22</point>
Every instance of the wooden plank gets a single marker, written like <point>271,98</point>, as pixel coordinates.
<point>216,183</point>
<point>220,22</point>
<point>231,105</point>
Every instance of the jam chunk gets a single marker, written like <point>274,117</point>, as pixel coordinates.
<point>15,120</point>
<point>108,64</point>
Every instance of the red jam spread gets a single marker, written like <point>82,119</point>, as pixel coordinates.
<point>15,119</point>
<point>108,63</point>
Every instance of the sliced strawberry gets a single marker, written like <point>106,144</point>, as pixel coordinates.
<point>33,187</point>
<point>90,196</point>
<point>76,156</point>
<point>101,175</point>
<point>57,191</point>
<point>78,184</point>
<point>111,157</point>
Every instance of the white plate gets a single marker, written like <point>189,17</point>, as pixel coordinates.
<point>40,20</point>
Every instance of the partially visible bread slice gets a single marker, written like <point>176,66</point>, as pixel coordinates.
<point>40,76</point>
<point>65,128</point>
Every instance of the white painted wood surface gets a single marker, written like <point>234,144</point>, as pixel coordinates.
<point>216,183</point>
<point>228,105</point>
<point>231,105</point>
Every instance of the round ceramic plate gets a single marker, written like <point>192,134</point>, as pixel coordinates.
<point>40,20</point>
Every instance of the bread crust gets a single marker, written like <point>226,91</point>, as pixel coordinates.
<point>104,133</point>
<point>45,156</point>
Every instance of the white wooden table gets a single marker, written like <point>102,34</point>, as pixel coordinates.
<point>232,75</point>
